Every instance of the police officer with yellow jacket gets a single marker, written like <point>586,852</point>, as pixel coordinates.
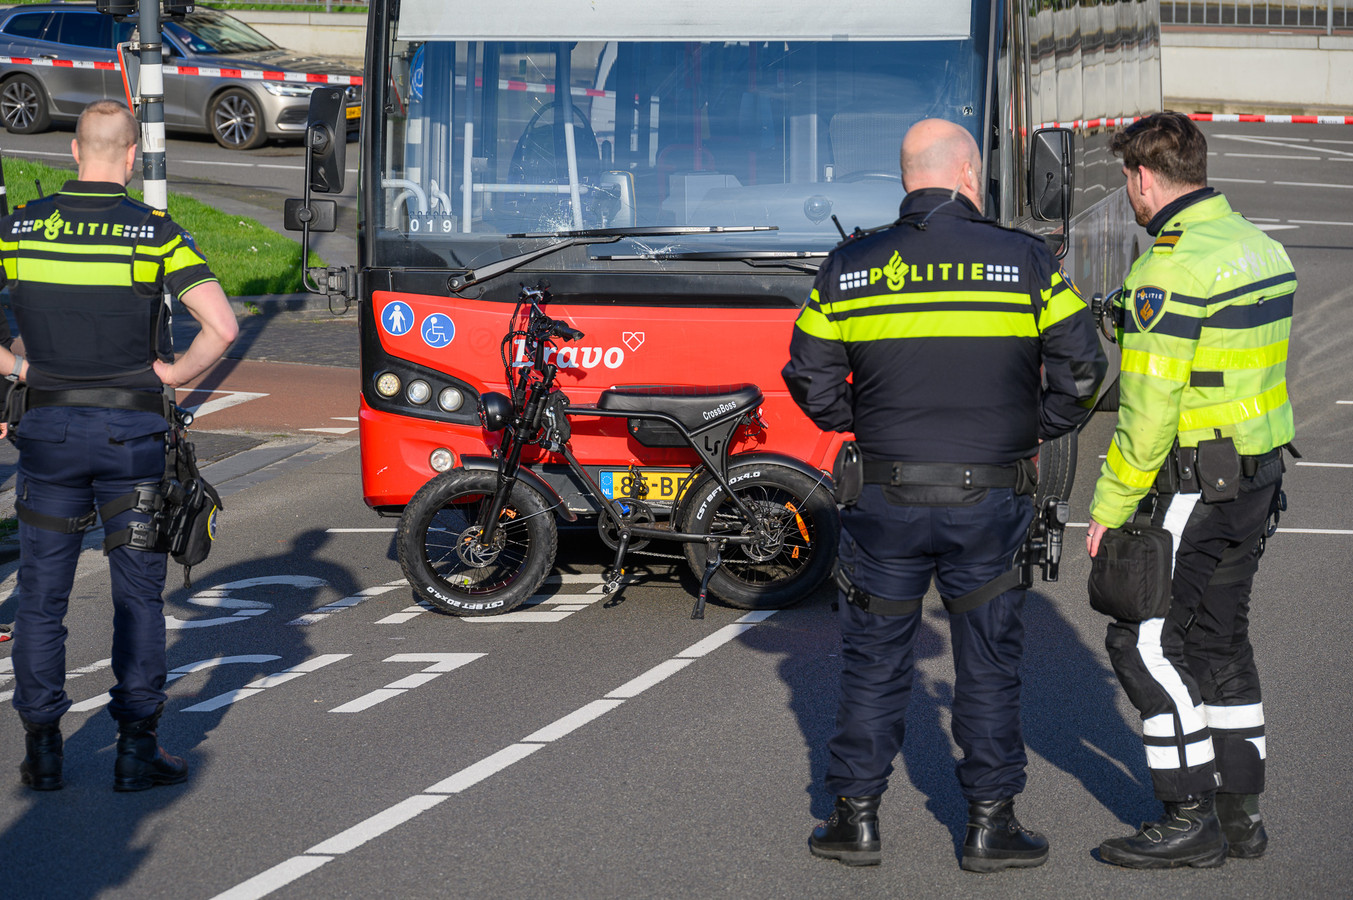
<point>950,346</point>
<point>86,268</point>
<point>1204,416</point>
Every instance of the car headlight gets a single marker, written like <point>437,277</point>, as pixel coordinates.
<point>282,89</point>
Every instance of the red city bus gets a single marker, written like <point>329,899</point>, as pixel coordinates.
<point>676,180</point>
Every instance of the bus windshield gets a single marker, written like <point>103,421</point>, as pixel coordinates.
<point>491,147</point>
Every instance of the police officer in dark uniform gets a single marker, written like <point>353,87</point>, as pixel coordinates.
<point>86,268</point>
<point>927,340</point>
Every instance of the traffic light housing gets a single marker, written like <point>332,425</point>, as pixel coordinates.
<point>118,9</point>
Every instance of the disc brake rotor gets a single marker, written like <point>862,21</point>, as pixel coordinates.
<point>471,550</point>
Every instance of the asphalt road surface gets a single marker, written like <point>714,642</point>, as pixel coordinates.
<point>347,742</point>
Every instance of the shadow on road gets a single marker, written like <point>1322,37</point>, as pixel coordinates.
<point>1070,710</point>
<point>87,841</point>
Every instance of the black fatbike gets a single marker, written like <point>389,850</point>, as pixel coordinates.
<point>760,530</point>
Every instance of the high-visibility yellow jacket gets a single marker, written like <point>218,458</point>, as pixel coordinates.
<point>1207,312</point>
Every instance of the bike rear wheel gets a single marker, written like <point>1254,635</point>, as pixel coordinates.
<point>447,565</point>
<point>793,552</point>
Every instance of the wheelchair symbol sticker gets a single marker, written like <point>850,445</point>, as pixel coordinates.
<point>397,318</point>
<point>438,330</point>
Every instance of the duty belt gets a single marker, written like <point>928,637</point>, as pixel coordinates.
<point>107,398</point>
<point>878,471</point>
<point>1249,465</point>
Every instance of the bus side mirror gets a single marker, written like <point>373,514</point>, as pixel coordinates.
<point>326,140</point>
<point>1051,174</point>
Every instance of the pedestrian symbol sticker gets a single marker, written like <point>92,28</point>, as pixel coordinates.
<point>397,318</point>
<point>438,330</point>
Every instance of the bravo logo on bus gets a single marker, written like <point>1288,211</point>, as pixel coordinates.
<point>585,357</point>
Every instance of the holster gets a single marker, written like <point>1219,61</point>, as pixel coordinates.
<point>848,474</point>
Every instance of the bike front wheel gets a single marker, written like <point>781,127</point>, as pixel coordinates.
<point>794,535</point>
<point>449,566</point>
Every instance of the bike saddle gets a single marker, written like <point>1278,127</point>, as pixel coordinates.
<point>693,406</point>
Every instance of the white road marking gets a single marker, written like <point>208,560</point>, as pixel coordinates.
<point>1316,222</point>
<point>562,605</point>
<point>1272,156</point>
<point>1275,227</point>
<point>406,810</point>
<point>231,398</point>
<point>1321,465</point>
<point>1240,181</point>
<point>264,883</point>
<point>101,700</point>
<point>330,430</point>
<point>1344,187</point>
<point>441,663</point>
<point>219,597</point>
<point>304,667</point>
<point>327,610</point>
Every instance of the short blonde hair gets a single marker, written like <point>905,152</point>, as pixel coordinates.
<point>105,130</point>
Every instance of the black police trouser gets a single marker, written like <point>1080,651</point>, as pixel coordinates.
<point>1192,675</point>
<point>893,551</point>
<point>70,459</point>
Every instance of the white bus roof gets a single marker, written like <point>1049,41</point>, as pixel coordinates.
<point>683,20</point>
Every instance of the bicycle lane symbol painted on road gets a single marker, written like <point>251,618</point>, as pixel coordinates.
<point>397,318</point>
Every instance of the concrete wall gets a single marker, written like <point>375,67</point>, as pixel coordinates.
<point>1236,70</point>
<point>1219,70</point>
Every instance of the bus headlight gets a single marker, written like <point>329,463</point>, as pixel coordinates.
<point>450,399</point>
<point>418,392</point>
<point>387,384</point>
<point>441,459</point>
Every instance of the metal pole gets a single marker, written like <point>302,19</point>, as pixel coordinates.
<point>153,171</point>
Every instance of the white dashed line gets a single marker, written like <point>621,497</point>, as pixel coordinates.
<point>404,811</point>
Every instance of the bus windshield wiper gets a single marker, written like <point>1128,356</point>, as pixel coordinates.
<point>566,239</point>
<point>750,257</point>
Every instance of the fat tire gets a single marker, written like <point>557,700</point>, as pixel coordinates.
<point>1056,468</point>
<point>1110,399</point>
<point>742,581</point>
<point>444,508</point>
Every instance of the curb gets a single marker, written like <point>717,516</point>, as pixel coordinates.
<point>272,304</point>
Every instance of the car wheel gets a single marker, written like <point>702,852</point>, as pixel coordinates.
<point>23,106</point>
<point>236,120</point>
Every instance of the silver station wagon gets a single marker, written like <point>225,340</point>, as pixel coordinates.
<point>239,113</point>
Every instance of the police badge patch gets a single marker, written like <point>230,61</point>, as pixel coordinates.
<point>1147,303</point>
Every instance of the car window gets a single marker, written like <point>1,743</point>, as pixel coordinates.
<point>81,30</point>
<point>27,25</point>
<point>207,31</point>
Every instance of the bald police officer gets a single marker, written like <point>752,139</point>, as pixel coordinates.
<point>86,268</point>
<point>950,346</point>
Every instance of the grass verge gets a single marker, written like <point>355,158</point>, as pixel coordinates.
<point>248,257</point>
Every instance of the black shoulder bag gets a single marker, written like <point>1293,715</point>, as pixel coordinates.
<point>1130,575</point>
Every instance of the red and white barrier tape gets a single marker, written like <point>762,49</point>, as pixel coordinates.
<point>1080,124</point>
<point>245,74</point>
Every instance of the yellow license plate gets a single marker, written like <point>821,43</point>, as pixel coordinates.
<point>353,112</point>
<point>664,485</point>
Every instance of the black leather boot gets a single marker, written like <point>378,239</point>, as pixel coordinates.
<point>996,840</point>
<point>1188,835</point>
<point>141,762</point>
<point>1242,824</point>
<point>851,835</point>
<point>41,767</point>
